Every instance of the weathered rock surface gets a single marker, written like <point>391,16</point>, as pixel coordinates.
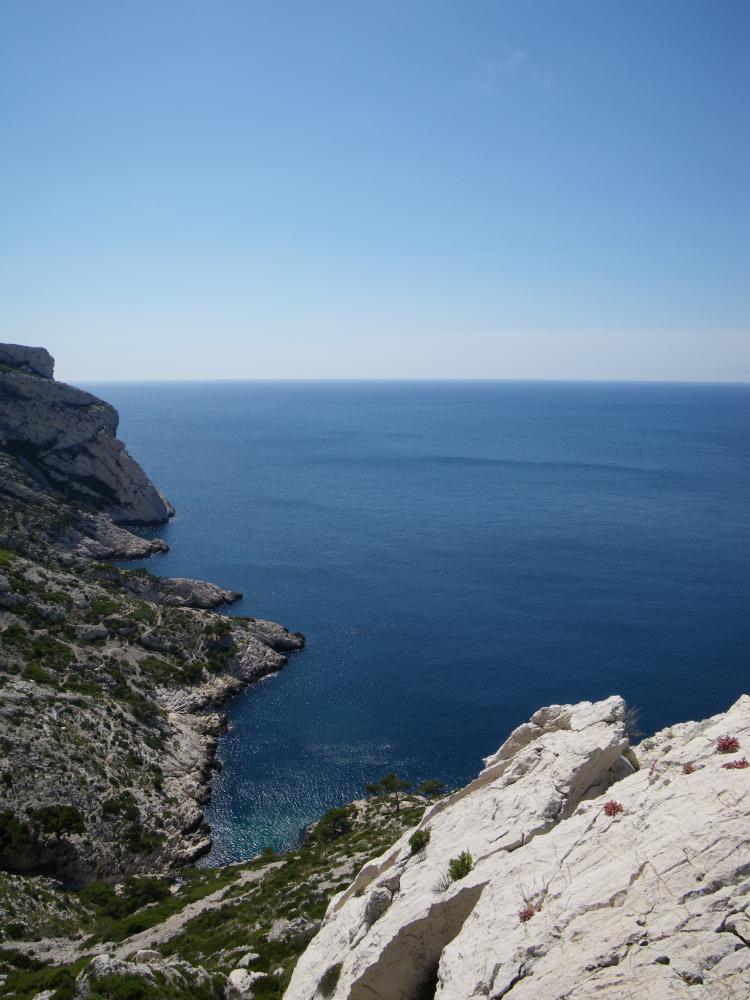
<point>564,899</point>
<point>66,439</point>
<point>32,360</point>
<point>172,974</point>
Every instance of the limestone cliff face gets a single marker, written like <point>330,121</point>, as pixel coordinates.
<point>65,439</point>
<point>589,878</point>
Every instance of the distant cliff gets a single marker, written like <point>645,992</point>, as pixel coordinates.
<point>64,438</point>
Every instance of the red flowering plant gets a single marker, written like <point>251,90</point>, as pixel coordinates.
<point>526,913</point>
<point>736,765</point>
<point>727,744</point>
<point>612,808</point>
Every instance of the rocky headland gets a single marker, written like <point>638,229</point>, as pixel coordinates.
<point>111,679</point>
<point>65,439</point>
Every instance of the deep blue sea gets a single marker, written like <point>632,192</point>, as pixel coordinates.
<point>457,554</point>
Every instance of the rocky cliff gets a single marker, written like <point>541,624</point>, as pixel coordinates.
<point>111,679</point>
<point>65,439</point>
<point>572,867</point>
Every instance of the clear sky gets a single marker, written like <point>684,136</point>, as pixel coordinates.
<point>419,188</point>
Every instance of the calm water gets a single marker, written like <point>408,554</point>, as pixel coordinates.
<point>458,554</point>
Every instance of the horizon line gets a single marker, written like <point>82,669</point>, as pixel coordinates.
<point>416,378</point>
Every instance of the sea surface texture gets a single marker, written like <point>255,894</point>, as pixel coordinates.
<point>457,554</point>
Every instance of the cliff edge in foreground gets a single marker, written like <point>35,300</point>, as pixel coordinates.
<point>572,867</point>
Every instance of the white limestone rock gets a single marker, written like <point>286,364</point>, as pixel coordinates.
<point>240,983</point>
<point>148,965</point>
<point>653,901</point>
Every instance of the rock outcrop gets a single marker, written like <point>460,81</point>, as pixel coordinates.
<point>31,360</point>
<point>588,870</point>
<point>65,439</point>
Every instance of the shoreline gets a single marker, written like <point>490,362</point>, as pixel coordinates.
<point>114,677</point>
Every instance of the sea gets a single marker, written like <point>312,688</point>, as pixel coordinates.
<point>458,554</point>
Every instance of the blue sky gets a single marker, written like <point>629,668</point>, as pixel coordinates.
<point>411,189</point>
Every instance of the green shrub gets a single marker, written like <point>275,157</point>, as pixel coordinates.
<point>432,789</point>
<point>124,806</point>
<point>419,840</point>
<point>461,866</point>
<point>100,607</point>
<point>218,628</point>
<point>333,824</point>
<point>14,635</point>
<point>330,980</point>
<point>15,835</point>
<point>29,983</point>
<point>135,893</point>
<point>50,653</point>
<point>141,841</point>
<point>121,988</point>
<point>193,673</point>
<point>35,673</point>
<point>99,895</point>
<point>157,669</point>
<point>58,819</point>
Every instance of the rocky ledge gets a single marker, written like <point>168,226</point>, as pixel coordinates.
<point>572,867</point>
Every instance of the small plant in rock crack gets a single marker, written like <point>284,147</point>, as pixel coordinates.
<point>688,768</point>
<point>727,744</point>
<point>419,840</point>
<point>526,913</point>
<point>736,765</point>
<point>330,980</point>
<point>443,883</point>
<point>461,866</point>
<point>612,808</point>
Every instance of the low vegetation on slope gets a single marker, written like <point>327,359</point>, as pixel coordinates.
<point>195,932</point>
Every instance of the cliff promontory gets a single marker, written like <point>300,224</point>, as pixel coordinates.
<point>65,439</point>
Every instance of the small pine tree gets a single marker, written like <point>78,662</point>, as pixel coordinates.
<point>419,840</point>
<point>432,789</point>
<point>461,866</point>
<point>390,785</point>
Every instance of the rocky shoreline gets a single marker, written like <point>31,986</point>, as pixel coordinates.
<point>112,679</point>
